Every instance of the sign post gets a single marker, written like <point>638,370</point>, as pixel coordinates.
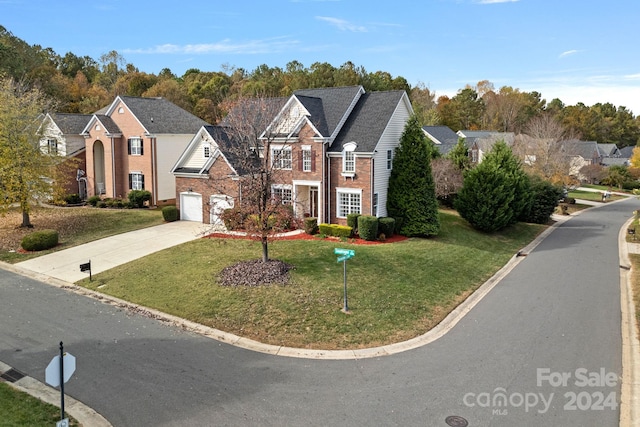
<point>345,254</point>
<point>57,373</point>
<point>86,267</point>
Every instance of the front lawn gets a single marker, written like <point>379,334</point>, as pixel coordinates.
<point>75,225</point>
<point>595,196</point>
<point>396,291</point>
<point>20,409</point>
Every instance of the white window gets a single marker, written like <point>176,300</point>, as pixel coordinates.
<point>348,202</point>
<point>306,160</point>
<point>52,146</point>
<point>281,158</point>
<point>135,146</point>
<point>206,151</point>
<point>281,194</point>
<point>349,161</point>
<point>375,204</point>
<point>136,181</point>
<point>389,159</point>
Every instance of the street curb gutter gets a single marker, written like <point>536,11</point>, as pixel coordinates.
<point>86,416</point>
<point>630,388</point>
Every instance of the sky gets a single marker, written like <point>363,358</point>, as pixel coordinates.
<point>574,50</point>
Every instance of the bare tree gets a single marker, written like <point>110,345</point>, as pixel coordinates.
<point>260,148</point>
<point>544,151</point>
<point>447,178</point>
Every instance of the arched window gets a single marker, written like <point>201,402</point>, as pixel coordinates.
<point>349,159</point>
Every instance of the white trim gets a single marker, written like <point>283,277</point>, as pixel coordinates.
<point>344,190</point>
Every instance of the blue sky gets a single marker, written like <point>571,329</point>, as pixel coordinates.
<point>576,50</point>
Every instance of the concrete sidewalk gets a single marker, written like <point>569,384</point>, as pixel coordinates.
<point>113,251</point>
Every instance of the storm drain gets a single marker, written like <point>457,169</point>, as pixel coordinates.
<point>456,421</point>
<point>12,375</point>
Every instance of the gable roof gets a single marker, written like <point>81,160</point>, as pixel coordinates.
<point>608,150</point>
<point>627,152</point>
<point>110,127</point>
<point>368,120</point>
<point>158,115</point>
<point>70,124</point>
<point>329,107</point>
<point>584,149</point>
<point>441,134</point>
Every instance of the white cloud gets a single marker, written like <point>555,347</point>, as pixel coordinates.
<point>225,46</point>
<point>343,25</point>
<point>568,53</point>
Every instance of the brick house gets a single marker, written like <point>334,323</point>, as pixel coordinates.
<point>132,145</point>
<point>333,151</point>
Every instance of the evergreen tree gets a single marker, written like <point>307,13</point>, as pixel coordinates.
<point>411,199</point>
<point>496,192</point>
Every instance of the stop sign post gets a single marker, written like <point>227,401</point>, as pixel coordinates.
<point>59,371</point>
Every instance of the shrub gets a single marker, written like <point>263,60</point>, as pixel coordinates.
<point>386,226</point>
<point>40,240</point>
<point>335,230</point>
<point>630,185</point>
<point>139,197</point>
<point>545,198</point>
<point>170,213</point>
<point>72,199</point>
<point>368,227</point>
<point>352,221</point>
<point>93,200</point>
<point>102,204</point>
<point>570,200</point>
<point>233,218</point>
<point>311,225</point>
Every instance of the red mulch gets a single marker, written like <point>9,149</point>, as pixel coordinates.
<point>305,236</point>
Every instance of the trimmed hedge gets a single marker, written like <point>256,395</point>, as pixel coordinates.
<point>352,221</point>
<point>170,213</point>
<point>40,240</point>
<point>138,197</point>
<point>368,227</point>
<point>311,225</point>
<point>335,230</point>
<point>93,200</point>
<point>386,226</point>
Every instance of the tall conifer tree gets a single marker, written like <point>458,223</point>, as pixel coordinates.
<point>411,199</point>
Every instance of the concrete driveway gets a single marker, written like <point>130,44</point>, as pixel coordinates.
<point>113,251</point>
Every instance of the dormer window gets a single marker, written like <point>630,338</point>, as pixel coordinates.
<point>349,160</point>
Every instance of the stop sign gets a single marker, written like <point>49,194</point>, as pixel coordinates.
<point>52,373</point>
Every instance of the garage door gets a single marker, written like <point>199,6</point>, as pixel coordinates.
<point>218,203</point>
<point>191,207</point>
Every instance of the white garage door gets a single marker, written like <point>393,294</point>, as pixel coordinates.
<point>191,207</point>
<point>218,203</point>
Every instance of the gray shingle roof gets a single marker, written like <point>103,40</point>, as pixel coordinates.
<point>626,152</point>
<point>160,116</point>
<point>441,134</point>
<point>109,125</point>
<point>584,149</point>
<point>327,106</point>
<point>368,121</point>
<point>71,124</point>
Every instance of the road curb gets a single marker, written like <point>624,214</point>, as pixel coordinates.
<point>630,388</point>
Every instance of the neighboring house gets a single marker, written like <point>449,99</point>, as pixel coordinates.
<point>627,152</point>
<point>334,157</point>
<point>480,142</point>
<point>133,143</point>
<point>443,137</point>
<point>611,155</point>
<point>62,135</point>
<point>582,153</point>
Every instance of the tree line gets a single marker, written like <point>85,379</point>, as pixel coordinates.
<point>84,85</point>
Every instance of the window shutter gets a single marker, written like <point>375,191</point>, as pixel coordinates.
<point>130,181</point>
<point>141,146</point>
<point>129,152</point>
<point>301,160</point>
<point>313,160</point>
<point>142,181</point>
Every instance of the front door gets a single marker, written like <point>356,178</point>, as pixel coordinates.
<point>313,201</point>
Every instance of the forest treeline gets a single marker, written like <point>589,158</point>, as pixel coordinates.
<point>84,85</point>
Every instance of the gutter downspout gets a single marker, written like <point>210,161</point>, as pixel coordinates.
<point>113,168</point>
<point>154,185</point>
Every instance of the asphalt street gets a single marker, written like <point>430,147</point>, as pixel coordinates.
<point>542,348</point>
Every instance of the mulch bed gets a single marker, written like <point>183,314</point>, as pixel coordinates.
<point>305,236</point>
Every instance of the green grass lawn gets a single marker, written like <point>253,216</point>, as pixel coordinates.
<point>592,195</point>
<point>19,409</point>
<point>396,291</point>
